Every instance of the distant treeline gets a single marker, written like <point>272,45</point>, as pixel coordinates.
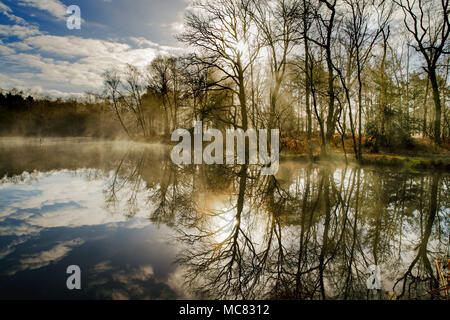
<point>22,115</point>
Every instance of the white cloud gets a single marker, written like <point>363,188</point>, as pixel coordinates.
<point>177,26</point>
<point>22,46</point>
<point>75,63</point>
<point>5,50</point>
<point>44,258</point>
<point>70,47</point>
<point>65,66</point>
<point>18,31</point>
<point>8,81</point>
<point>54,7</point>
<point>4,9</point>
<point>18,230</point>
<point>57,192</point>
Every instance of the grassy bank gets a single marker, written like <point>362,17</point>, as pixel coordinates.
<point>419,155</point>
<point>408,162</point>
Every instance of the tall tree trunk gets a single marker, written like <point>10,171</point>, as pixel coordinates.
<point>437,105</point>
<point>359,157</point>
<point>425,110</point>
<point>307,84</point>
<point>383,93</point>
<point>243,100</point>
<point>331,119</point>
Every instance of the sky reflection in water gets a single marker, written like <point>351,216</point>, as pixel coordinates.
<point>141,228</point>
<point>57,219</point>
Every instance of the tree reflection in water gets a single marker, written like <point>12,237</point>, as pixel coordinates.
<point>311,232</point>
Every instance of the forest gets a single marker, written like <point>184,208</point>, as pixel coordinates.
<point>349,76</point>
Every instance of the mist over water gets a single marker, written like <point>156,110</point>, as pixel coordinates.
<point>141,227</point>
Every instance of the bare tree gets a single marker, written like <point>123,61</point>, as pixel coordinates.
<point>224,33</point>
<point>112,84</point>
<point>428,22</point>
<point>326,27</point>
<point>306,16</point>
<point>278,24</point>
<point>164,78</point>
<point>134,89</point>
<point>126,96</point>
<point>362,39</point>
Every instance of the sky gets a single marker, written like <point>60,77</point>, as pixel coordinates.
<point>38,52</point>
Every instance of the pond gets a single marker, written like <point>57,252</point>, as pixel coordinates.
<point>140,227</point>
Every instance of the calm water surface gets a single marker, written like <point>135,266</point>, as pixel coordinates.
<point>140,227</point>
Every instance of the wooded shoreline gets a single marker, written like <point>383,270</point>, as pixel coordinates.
<point>420,162</point>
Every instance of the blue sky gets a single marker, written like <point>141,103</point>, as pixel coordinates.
<point>39,53</point>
